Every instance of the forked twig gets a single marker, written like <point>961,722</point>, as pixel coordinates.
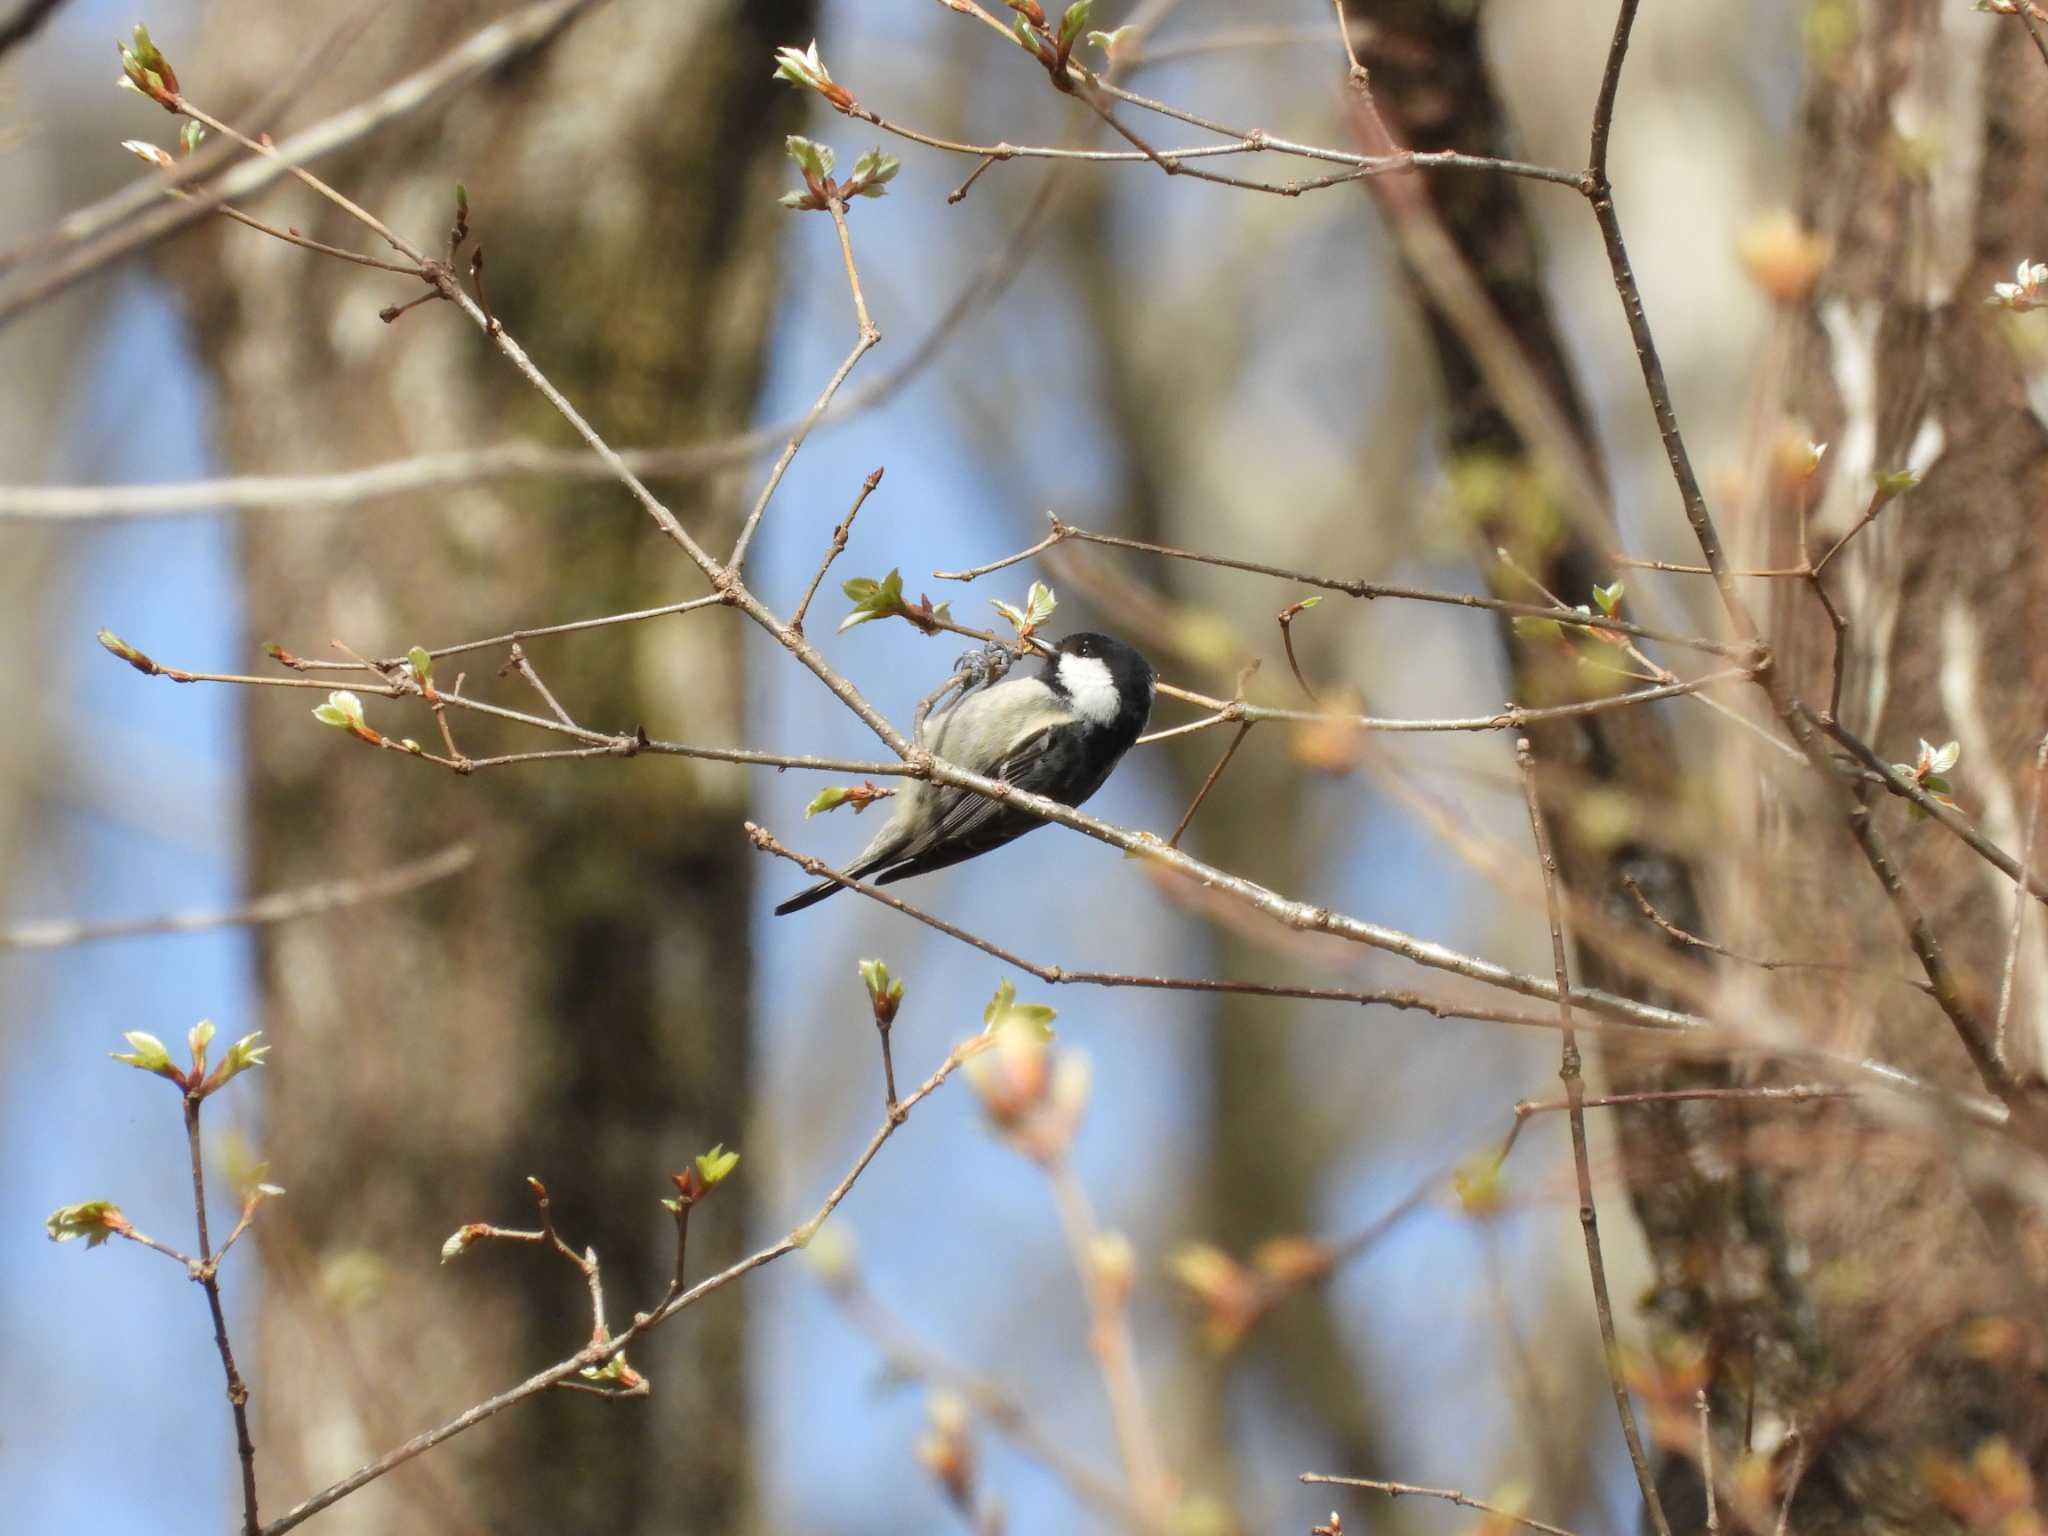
<point>1569,1072</point>
<point>835,548</point>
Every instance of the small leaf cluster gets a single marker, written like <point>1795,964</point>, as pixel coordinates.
<point>1039,604</point>
<point>147,1053</point>
<point>191,136</point>
<point>1607,599</point>
<point>139,660</point>
<point>1032,1095</point>
<point>420,666</point>
<point>872,173</point>
<point>803,69</point>
<point>344,711</point>
<point>1053,46</point>
<point>1003,1011</point>
<point>706,1172</point>
<point>145,69</point>
<point>884,600</point>
<point>1930,770</point>
<point>860,796</point>
<point>2028,289</point>
<point>98,1220</point>
<point>885,993</point>
<point>93,1220</point>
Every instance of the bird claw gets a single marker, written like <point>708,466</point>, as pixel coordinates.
<point>982,666</point>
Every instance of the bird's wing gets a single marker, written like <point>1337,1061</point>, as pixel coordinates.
<point>971,824</point>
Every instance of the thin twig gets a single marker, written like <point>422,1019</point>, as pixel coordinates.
<point>599,743</point>
<point>960,192</point>
<point>676,1283</point>
<point>516,459</point>
<point>1449,1495</point>
<point>1512,717</point>
<point>714,600</point>
<point>135,1235</point>
<point>439,705</point>
<point>1287,617</point>
<point>517,662</point>
<point>1223,762</point>
<point>208,1275</point>
<point>1839,657</point>
<point>1785,1093</point>
<point>868,335</point>
<point>86,241</point>
<point>304,243</point>
<point>597,1353</point>
<point>1761,962</point>
<point>1152,738</point>
<point>263,146</point>
<point>1678,568</point>
<point>1623,1010</point>
<point>1085,86</point>
<point>1344,32</point>
<point>1570,618</point>
<point>834,549</point>
<point>1570,1074</point>
<point>1879,500</point>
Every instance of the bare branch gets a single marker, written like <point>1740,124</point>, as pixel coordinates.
<point>278,907</point>
<point>597,1353</point>
<point>1449,1495</point>
<point>1761,962</point>
<point>1209,783</point>
<point>868,335</point>
<point>207,1273</point>
<point>834,549</point>
<point>1623,1010</point>
<point>86,241</point>
<point>1947,816</point>
<point>1575,1096</point>
<point>1570,618</point>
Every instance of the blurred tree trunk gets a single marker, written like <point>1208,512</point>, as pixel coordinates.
<point>576,1007</point>
<point>1837,1273</point>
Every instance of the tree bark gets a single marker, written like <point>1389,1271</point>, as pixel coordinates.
<point>576,1008</point>
<point>1844,1275</point>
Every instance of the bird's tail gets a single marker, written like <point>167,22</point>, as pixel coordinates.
<point>861,867</point>
<point>809,898</point>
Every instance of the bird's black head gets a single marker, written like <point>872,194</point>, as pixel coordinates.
<point>1107,681</point>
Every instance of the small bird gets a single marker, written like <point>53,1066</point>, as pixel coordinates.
<point>1057,732</point>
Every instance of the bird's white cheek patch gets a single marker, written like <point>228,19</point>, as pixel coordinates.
<point>1089,685</point>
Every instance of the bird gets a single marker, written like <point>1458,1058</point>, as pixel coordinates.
<point>1057,731</point>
